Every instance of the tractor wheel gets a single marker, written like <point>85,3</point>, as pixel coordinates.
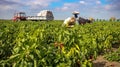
<point>18,20</point>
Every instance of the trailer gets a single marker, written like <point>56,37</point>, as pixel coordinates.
<point>42,15</point>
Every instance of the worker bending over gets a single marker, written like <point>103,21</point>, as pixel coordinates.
<point>69,22</point>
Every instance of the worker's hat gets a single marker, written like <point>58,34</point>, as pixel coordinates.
<point>75,12</point>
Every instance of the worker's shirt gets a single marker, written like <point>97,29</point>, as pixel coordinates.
<point>67,22</point>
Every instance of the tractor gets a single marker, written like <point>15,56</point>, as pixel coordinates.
<point>20,16</point>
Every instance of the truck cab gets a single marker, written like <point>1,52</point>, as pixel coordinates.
<point>20,16</point>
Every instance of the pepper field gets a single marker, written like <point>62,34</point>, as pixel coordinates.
<point>48,44</point>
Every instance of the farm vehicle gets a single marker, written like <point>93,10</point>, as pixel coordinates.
<point>20,16</point>
<point>42,15</point>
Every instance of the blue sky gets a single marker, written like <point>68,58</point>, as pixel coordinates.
<point>102,9</point>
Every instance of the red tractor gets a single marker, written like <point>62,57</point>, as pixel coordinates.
<point>20,16</point>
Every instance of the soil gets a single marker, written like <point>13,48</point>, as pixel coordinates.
<point>102,62</point>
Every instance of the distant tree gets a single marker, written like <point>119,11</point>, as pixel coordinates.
<point>100,19</point>
<point>97,19</point>
<point>104,20</point>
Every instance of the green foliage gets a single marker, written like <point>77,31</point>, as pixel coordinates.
<point>41,44</point>
<point>113,56</point>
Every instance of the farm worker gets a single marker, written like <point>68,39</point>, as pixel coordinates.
<point>69,22</point>
<point>75,13</point>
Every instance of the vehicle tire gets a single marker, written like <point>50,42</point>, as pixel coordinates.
<point>18,20</point>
